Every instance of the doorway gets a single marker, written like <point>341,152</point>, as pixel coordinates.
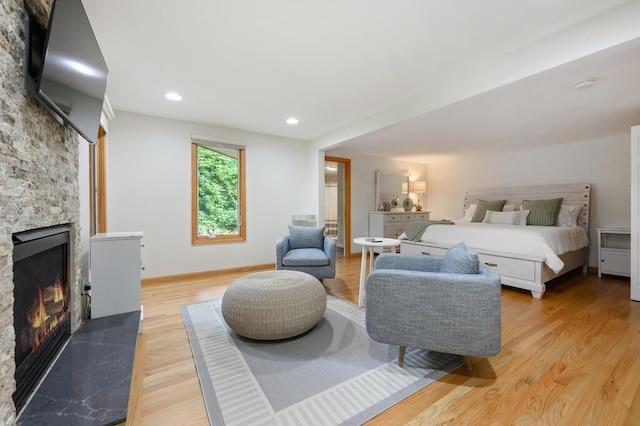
<point>337,202</point>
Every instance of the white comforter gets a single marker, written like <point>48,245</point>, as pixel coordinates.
<point>546,242</point>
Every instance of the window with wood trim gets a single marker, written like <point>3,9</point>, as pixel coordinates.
<point>217,193</point>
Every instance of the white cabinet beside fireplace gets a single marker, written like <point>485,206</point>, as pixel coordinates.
<point>115,273</point>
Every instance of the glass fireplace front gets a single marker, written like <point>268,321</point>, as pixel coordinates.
<point>41,303</point>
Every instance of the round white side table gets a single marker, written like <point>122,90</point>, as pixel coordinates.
<point>368,245</point>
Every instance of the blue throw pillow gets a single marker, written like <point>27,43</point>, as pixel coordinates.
<point>459,260</point>
<point>306,237</point>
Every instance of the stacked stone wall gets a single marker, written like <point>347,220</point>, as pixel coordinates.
<point>38,181</point>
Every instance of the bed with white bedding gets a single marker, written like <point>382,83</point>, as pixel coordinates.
<point>525,256</point>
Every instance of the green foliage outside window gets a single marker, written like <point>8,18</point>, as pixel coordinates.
<point>217,191</point>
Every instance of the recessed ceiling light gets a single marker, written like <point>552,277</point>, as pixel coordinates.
<point>584,84</point>
<point>172,96</point>
<point>292,121</point>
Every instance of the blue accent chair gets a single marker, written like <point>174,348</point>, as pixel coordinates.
<point>307,249</point>
<point>411,303</point>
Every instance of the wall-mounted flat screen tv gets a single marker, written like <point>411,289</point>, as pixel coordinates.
<point>65,69</point>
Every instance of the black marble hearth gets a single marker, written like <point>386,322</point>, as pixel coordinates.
<point>89,383</point>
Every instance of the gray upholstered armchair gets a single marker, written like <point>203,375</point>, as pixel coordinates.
<point>409,302</point>
<point>307,249</point>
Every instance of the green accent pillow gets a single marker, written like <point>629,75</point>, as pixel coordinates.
<point>483,206</point>
<point>542,212</point>
<point>459,260</point>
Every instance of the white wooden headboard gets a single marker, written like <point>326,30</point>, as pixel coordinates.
<point>573,193</point>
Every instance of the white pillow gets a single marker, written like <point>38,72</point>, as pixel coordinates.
<point>568,215</point>
<point>509,208</point>
<point>506,218</point>
<point>468,213</point>
<point>575,215</point>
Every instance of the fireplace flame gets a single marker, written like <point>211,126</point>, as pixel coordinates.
<point>40,315</point>
<point>42,322</point>
<point>58,291</point>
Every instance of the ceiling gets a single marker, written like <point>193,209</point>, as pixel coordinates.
<point>250,65</point>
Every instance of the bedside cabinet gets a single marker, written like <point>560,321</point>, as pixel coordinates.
<point>614,251</point>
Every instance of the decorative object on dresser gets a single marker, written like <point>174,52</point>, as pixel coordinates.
<point>395,201</point>
<point>614,251</point>
<point>320,377</point>
<point>407,204</point>
<point>419,187</point>
<point>502,247</point>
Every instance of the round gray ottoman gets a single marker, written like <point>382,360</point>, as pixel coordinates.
<point>273,305</point>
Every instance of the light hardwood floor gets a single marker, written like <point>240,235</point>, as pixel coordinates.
<point>571,358</point>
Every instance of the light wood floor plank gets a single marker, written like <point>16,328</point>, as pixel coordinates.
<point>572,357</point>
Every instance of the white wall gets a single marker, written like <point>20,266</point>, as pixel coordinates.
<point>363,191</point>
<point>602,162</point>
<point>149,187</point>
<point>149,190</point>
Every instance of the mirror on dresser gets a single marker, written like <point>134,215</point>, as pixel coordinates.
<point>388,184</point>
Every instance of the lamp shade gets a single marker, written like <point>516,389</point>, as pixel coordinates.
<point>420,186</point>
<point>404,187</point>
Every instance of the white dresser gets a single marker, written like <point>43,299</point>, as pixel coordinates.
<point>115,273</point>
<point>391,224</point>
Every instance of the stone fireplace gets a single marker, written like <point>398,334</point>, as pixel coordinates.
<point>39,188</point>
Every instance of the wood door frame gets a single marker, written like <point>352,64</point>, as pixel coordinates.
<point>635,214</point>
<point>347,200</point>
<point>98,183</point>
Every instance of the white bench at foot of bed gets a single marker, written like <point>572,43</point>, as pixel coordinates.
<point>516,270</point>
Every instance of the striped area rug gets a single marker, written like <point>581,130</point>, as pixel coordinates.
<point>333,374</point>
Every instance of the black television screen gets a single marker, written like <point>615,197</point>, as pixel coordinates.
<point>66,68</point>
